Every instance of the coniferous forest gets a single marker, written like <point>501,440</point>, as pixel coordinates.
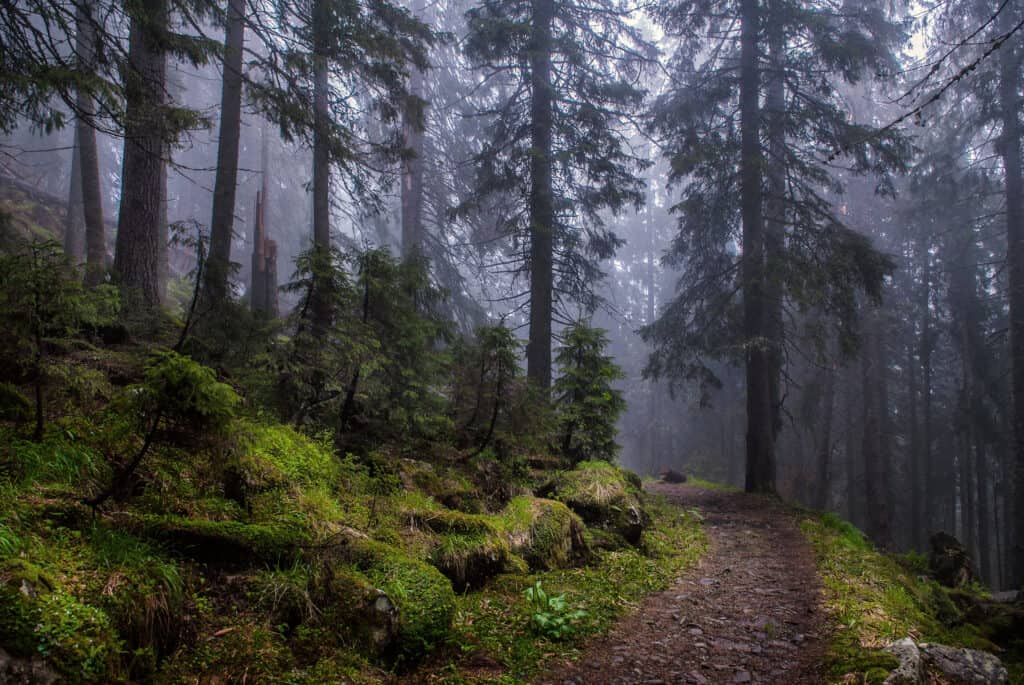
<point>511,341</point>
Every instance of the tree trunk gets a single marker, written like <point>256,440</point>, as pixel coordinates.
<point>760,476</point>
<point>876,490</point>
<point>137,254</point>
<point>1009,94</point>
<point>916,523</point>
<point>89,158</point>
<point>218,264</point>
<point>412,176</point>
<point>321,161</point>
<point>74,222</point>
<point>930,482</point>
<point>542,204</point>
<point>775,218</point>
<point>824,464</point>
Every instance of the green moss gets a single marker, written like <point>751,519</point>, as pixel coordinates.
<point>874,600</point>
<point>497,623</point>
<point>230,543</point>
<point>424,597</point>
<point>546,533</point>
<point>602,495</point>
<point>40,617</point>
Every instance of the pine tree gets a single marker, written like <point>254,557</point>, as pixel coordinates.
<point>588,406</point>
<point>761,177</point>
<point>563,78</point>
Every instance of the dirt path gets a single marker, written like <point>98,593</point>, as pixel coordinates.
<point>747,613</point>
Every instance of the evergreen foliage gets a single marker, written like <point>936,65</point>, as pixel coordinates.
<point>44,311</point>
<point>588,406</point>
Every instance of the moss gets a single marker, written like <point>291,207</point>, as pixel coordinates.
<point>469,559</point>
<point>228,543</point>
<point>247,651</point>
<point>40,617</point>
<point>424,597</point>
<point>874,599</point>
<point>602,495</point>
<point>546,533</point>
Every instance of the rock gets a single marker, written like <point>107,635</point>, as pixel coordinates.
<point>26,671</point>
<point>545,533</point>
<point>910,670</point>
<point>966,666</point>
<point>671,476</point>
<point>606,497</point>
<point>948,561</point>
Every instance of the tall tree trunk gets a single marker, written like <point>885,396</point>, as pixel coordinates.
<point>760,475</point>
<point>931,480</point>
<point>412,175</point>
<point>914,428</point>
<point>321,160</point>
<point>1009,95</point>
<point>218,262</point>
<point>824,456</point>
<point>542,202</point>
<point>874,446</point>
<point>775,217</point>
<point>74,222</point>
<point>88,155</point>
<point>137,254</point>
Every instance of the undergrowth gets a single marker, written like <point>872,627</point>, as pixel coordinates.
<point>874,599</point>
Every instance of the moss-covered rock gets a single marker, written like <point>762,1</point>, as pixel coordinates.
<point>223,543</point>
<point>424,597</point>
<point>604,496</point>
<point>39,617</point>
<point>468,548</point>
<point>445,485</point>
<point>545,533</point>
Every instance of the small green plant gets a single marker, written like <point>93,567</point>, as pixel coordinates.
<point>551,615</point>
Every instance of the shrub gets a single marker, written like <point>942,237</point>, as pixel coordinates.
<point>186,393</point>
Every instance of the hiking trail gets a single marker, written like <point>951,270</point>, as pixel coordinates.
<point>748,612</point>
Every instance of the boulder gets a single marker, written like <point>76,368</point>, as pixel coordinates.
<point>671,476</point>
<point>424,598</point>
<point>604,496</point>
<point>911,668</point>
<point>948,561</point>
<point>918,662</point>
<point>964,666</point>
<point>469,549</point>
<point>545,533</point>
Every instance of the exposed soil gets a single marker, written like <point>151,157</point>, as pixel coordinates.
<point>748,612</point>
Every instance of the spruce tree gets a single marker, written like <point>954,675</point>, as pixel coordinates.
<point>756,130</point>
<point>563,78</point>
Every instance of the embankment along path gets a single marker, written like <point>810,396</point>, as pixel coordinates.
<point>748,612</point>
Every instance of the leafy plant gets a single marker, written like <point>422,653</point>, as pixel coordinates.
<point>551,615</point>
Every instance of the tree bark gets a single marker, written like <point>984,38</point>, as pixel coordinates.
<point>88,155</point>
<point>542,205</point>
<point>1009,95</point>
<point>775,217</point>
<point>136,258</point>
<point>412,176</point>
<point>321,160</point>
<point>218,265</point>
<point>74,222</point>
<point>875,398</point>
<point>760,476</point>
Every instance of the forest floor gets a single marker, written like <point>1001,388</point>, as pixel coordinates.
<point>748,612</point>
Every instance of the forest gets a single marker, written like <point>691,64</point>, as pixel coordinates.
<point>511,341</point>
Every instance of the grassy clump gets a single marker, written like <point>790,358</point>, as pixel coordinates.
<point>605,497</point>
<point>874,599</point>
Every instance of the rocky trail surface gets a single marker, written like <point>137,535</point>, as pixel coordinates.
<point>748,612</point>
